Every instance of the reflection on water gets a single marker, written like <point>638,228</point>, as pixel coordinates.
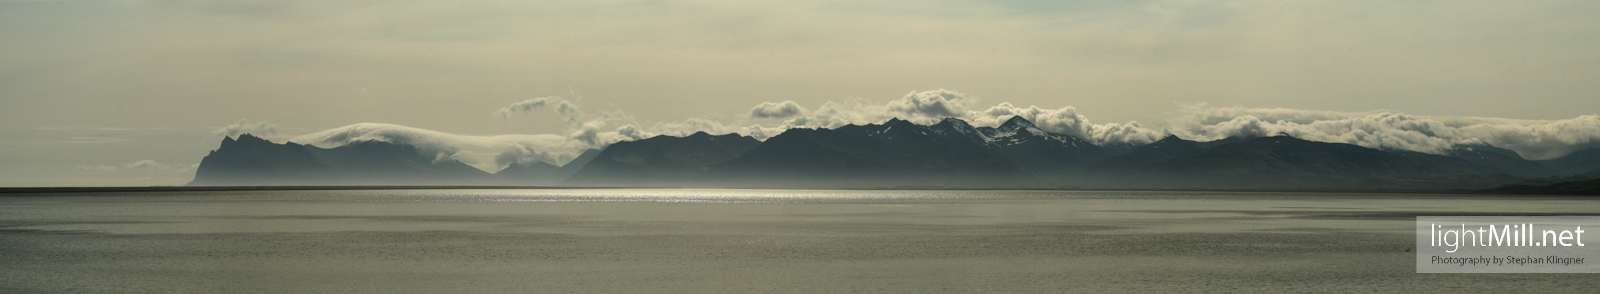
<point>689,240</point>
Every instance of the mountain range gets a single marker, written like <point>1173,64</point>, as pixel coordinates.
<point>900,154</point>
<point>661,160</point>
<point>896,153</point>
<point>253,161</point>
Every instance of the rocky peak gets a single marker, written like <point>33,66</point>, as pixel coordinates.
<point>1018,122</point>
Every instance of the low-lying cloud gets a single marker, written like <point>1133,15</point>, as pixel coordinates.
<point>1066,120</point>
<point>245,126</point>
<point>477,151</point>
<point>1391,130</point>
<point>927,107</point>
<point>146,164</point>
<point>524,153</point>
<point>1533,139</point>
<point>583,130</point>
<point>1381,129</point>
<point>936,103</point>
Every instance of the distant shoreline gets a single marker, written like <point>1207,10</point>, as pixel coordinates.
<point>40,190</point>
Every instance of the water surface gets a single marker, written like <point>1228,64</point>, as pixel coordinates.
<point>692,240</point>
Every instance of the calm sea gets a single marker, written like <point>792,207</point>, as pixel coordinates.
<point>742,241</point>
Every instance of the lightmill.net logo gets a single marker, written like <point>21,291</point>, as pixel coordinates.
<point>1504,244</point>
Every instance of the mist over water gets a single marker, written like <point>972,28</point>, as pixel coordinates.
<point>693,240</point>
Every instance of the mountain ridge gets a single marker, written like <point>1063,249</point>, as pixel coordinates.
<point>950,153</point>
<point>660,160</point>
<point>896,153</point>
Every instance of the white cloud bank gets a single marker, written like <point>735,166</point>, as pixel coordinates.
<point>1534,139</point>
<point>927,107</point>
<point>477,151</point>
<point>244,126</point>
<point>141,165</point>
<point>586,130</point>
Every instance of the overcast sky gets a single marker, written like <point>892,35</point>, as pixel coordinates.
<point>96,93</point>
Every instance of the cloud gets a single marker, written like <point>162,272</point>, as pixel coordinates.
<point>927,107</point>
<point>520,152</point>
<point>492,153</point>
<point>1538,140</point>
<point>244,126</point>
<point>762,133</point>
<point>631,132</point>
<point>836,114</point>
<point>785,109</point>
<point>691,126</point>
<point>1533,139</point>
<point>587,131</point>
<point>140,165</point>
<point>936,103</point>
<point>145,164</point>
<point>477,151</point>
<point>583,129</point>
<point>1381,129</point>
<point>1066,120</point>
<point>565,108</point>
<point>589,134</point>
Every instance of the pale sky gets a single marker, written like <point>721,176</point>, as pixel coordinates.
<point>96,93</point>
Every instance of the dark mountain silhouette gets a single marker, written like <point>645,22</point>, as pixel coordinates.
<point>896,153</point>
<point>661,160</point>
<point>1136,160</point>
<point>1586,162</point>
<point>1588,187</point>
<point>959,130</point>
<point>542,174</point>
<point>1490,160</point>
<point>251,161</point>
<point>1143,160</point>
<point>1114,149</point>
<point>1282,162</point>
<point>1047,155</point>
<point>536,173</point>
<point>254,161</point>
<point>384,163</point>
<point>577,164</point>
<point>1219,142</point>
